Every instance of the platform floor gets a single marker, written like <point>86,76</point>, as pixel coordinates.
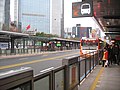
<point>102,78</point>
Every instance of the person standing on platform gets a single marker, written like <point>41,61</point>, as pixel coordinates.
<point>119,56</point>
<point>110,55</point>
<point>115,53</point>
<point>105,58</point>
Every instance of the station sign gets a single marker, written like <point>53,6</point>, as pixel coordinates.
<point>82,9</point>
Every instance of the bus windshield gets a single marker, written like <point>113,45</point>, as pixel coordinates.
<point>85,7</point>
<point>89,45</point>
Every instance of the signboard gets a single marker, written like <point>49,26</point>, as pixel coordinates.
<point>94,33</point>
<point>73,75</point>
<point>117,37</point>
<point>58,44</point>
<point>83,31</point>
<point>82,9</point>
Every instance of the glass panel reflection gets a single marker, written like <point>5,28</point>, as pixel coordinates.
<point>42,84</point>
<point>59,80</point>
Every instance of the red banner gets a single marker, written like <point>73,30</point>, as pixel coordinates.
<point>28,27</point>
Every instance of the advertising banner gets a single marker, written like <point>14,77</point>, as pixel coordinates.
<point>83,32</point>
<point>73,75</point>
<point>94,33</point>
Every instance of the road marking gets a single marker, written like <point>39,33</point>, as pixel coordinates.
<point>31,62</point>
<point>22,58</point>
<point>93,86</point>
<point>48,69</point>
<point>44,55</point>
<point>82,81</point>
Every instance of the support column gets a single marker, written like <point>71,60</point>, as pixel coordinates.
<point>23,45</point>
<point>34,45</point>
<point>12,44</point>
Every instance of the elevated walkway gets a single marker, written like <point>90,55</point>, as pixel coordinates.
<point>102,78</point>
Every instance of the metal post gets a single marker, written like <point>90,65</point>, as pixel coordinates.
<point>12,45</point>
<point>27,50</point>
<point>0,51</point>
<point>90,64</point>
<point>93,60</point>
<point>31,50</point>
<point>23,45</point>
<point>79,70</point>
<point>51,81</point>
<point>85,67</point>
<point>66,77</point>
<point>70,69</point>
<point>34,45</point>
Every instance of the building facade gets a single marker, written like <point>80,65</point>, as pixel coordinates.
<point>4,14</point>
<point>16,11</point>
<point>40,15</point>
<point>56,16</point>
<point>35,14</point>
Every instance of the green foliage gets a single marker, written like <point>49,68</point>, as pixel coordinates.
<point>74,38</point>
<point>42,34</point>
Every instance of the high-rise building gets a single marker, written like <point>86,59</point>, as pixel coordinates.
<point>41,15</point>
<point>74,31</point>
<point>33,13</point>
<point>57,11</point>
<point>2,4</point>
<point>16,11</point>
<point>62,20</point>
<point>4,14</point>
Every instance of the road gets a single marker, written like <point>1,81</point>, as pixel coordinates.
<point>39,63</point>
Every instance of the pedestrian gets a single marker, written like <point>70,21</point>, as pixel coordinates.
<point>115,50</point>
<point>101,56</point>
<point>119,58</point>
<point>105,58</point>
<point>109,55</point>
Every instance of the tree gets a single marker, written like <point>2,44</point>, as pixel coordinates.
<point>42,34</point>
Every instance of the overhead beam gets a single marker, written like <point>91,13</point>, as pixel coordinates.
<point>113,30</point>
<point>113,26</point>
<point>112,33</point>
<point>111,17</point>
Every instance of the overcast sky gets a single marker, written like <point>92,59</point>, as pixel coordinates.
<point>70,22</point>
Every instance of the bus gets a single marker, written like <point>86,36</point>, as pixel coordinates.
<point>85,8</point>
<point>88,45</point>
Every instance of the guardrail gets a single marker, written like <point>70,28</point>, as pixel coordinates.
<point>24,51</point>
<point>66,77</point>
<point>19,51</point>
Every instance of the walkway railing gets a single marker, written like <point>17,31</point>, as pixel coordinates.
<point>66,77</point>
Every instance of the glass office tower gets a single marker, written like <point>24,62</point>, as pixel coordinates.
<point>4,14</point>
<point>35,15</point>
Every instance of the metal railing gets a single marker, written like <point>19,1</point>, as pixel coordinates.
<point>6,52</point>
<point>66,77</point>
<point>19,51</point>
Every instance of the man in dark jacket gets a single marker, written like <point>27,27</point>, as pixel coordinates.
<point>115,51</point>
<point>110,53</point>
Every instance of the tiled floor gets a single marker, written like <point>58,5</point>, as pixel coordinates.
<point>108,80</point>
